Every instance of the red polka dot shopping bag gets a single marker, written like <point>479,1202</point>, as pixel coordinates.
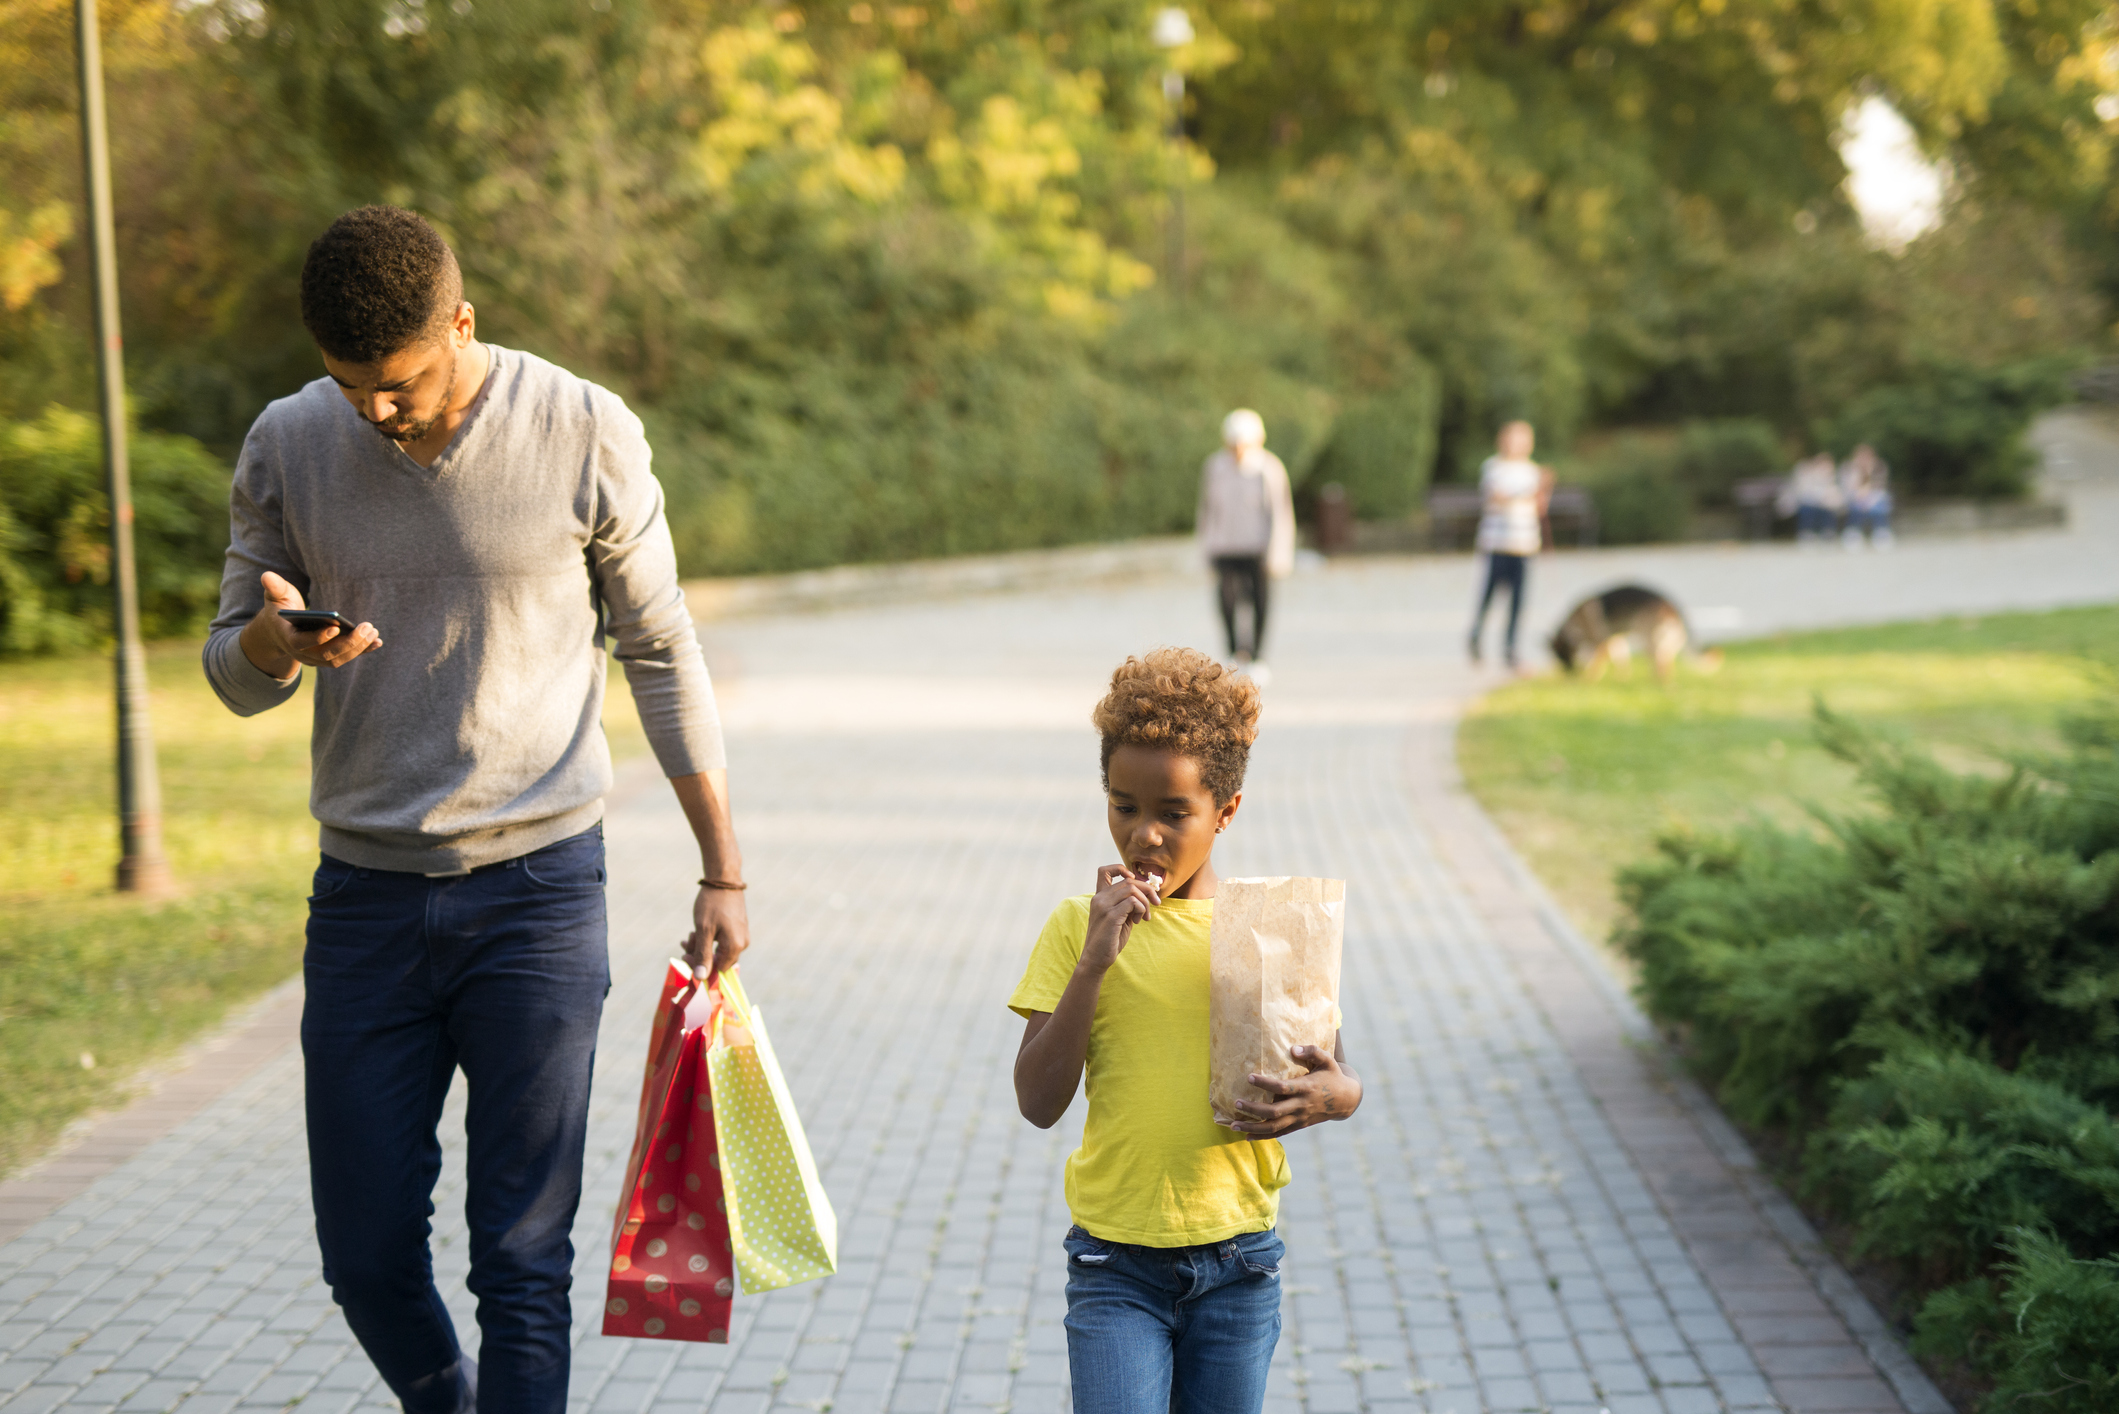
<point>782,1224</point>
<point>672,1265</point>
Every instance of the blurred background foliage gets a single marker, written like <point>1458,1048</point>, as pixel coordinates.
<point>889,280</point>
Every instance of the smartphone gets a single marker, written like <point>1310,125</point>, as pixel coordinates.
<point>314,620</point>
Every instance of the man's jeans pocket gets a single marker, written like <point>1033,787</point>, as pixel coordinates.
<point>571,866</point>
<point>332,876</point>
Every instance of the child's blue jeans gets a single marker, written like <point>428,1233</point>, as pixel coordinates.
<point>1190,1330</point>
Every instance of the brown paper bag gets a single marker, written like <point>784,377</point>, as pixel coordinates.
<point>1275,984</point>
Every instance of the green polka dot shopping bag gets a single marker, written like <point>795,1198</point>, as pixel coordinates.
<point>781,1223</point>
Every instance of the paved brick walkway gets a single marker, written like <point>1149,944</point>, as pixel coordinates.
<point>1520,1218</point>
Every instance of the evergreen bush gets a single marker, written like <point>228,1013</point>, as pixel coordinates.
<point>2046,1325</point>
<point>1926,996</point>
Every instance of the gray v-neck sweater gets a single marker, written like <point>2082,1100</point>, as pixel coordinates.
<point>475,734</point>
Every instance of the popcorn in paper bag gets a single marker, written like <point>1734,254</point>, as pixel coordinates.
<point>1275,981</point>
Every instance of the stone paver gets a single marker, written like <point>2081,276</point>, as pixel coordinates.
<point>202,1074</point>
<point>1516,1220</point>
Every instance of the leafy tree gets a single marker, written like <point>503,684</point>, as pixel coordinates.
<point>888,279</point>
<point>1653,161</point>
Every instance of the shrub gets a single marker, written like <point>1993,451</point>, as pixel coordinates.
<point>1382,449</point>
<point>1641,496</point>
<point>1648,482</point>
<point>1927,996</point>
<point>919,424</point>
<point>2057,1316</point>
<point>55,533</point>
<point>1714,454</point>
<point>1939,1154</point>
<point>1957,430</point>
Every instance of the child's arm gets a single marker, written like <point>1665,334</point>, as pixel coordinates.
<point>1329,1091</point>
<point>1048,1067</point>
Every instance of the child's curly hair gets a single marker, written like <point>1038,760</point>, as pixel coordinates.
<point>1179,699</point>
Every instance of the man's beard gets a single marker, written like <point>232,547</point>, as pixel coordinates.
<point>402,433</point>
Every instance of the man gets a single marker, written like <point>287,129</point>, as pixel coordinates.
<point>493,518</point>
<point>1516,492</point>
<point>1246,531</point>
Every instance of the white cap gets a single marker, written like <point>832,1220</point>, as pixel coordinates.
<point>1243,428</point>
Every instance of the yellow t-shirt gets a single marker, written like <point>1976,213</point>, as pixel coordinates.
<point>1154,1168</point>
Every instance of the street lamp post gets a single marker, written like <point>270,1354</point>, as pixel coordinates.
<point>1173,30</point>
<point>142,868</point>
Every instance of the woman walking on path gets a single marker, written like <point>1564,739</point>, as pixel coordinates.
<point>1246,530</point>
<point>1511,529</point>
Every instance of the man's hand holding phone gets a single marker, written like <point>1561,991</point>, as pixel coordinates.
<point>286,634</point>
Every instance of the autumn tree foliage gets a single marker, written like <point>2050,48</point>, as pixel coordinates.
<point>890,279</point>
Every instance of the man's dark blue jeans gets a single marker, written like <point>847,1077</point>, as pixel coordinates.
<point>503,972</point>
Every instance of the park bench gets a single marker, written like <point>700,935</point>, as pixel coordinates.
<point>1754,501</point>
<point>1576,508</point>
<point>2098,384</point>
<point>1453,516</point>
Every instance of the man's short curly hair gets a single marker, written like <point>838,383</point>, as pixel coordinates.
<point>1180,700</point>
<point>377,282</point>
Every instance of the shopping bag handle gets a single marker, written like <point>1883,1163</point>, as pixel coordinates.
<point>691,988</point>
<point>732,1000</point>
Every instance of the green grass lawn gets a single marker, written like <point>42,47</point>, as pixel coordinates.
<point>94,984</point>
<point>1581,776</point>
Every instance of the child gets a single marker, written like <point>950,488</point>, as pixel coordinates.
<point>1173,1268</point>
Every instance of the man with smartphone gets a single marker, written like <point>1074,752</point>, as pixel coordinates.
<point>498,517</point>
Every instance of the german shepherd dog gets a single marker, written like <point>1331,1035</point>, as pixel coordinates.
<point>1611,627</point>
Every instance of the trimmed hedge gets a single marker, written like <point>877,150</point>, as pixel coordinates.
<point>1927,997</point>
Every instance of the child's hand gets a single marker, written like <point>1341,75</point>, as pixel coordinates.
<point>1122,899</point>
<point>1329,1091</point>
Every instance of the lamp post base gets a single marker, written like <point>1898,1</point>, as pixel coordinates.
<point>146,875</point>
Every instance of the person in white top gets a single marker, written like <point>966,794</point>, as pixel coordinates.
<point>1511,526</point>
<point>1813,496</point>
<point>1246,529</point>
<point>1865,484</point>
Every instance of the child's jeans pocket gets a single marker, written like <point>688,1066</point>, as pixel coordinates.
<point>1086,1251</point>
<point>1261,1253</point>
